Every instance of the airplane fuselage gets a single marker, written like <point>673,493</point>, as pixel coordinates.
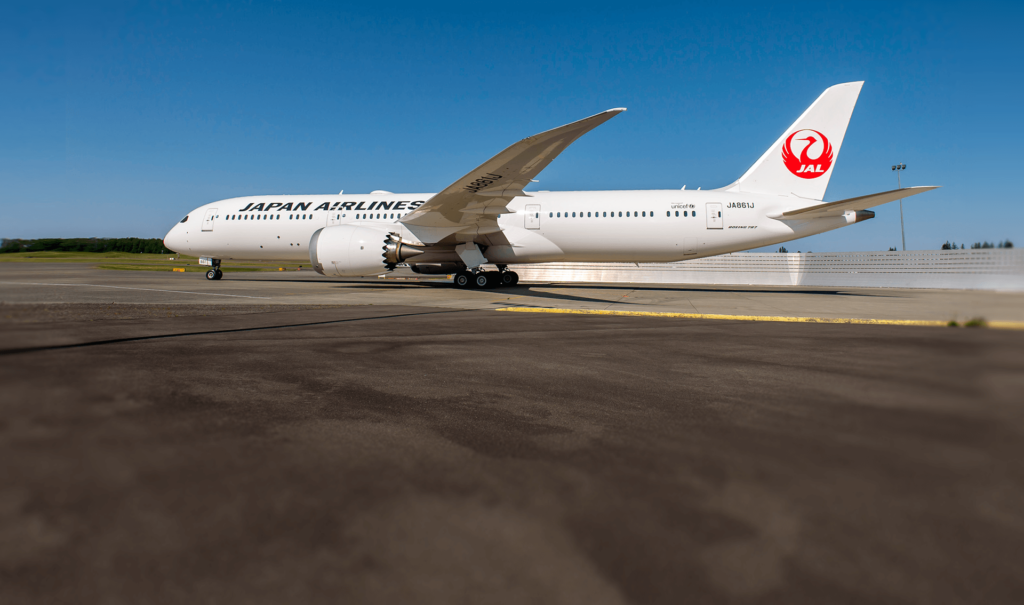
<point>548,226</point>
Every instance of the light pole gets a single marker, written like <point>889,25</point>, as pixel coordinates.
<point>898,168</point>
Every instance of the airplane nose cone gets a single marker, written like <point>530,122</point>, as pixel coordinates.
<point>173,239</point>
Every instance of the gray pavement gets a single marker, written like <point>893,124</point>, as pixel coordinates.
<point>37,282</point>
<point>158,447</point>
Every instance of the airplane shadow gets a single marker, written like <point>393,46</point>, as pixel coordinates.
<point>443,284</point>
<point>536,290</point>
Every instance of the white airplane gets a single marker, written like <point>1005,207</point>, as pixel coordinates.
<point>486,217</point>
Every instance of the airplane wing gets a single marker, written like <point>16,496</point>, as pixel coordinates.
<point>471,205</point>
<point>854,203</point>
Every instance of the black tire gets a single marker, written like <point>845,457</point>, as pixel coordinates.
<point>211,274</point>
<point>219,275</point>
<point>509,278</point>
<point>463,280</point>
<point>482,280</point>
<point>515,277</point>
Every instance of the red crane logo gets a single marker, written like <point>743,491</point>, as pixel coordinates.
<point>808,155</point>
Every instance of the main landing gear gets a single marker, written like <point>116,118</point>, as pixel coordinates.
<point>486,279</point>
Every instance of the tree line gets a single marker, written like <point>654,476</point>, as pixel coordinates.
<point>977,245</point>
<point>135,245</point>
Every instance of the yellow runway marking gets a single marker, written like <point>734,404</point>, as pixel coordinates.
<point>1004,325</point>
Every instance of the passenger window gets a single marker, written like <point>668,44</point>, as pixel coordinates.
<point>667,213</point>
<point>606,214</point>
<point>620,214</point>
<point>645,214</point>
<point>574,215</point>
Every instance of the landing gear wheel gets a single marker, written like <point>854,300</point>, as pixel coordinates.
<point>219,275</point>
<point>509,278</point>
<point>482,280</point>
<point>211,274</point>
<point>463,279</point>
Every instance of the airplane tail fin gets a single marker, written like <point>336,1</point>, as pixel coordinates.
<point>800,163</point>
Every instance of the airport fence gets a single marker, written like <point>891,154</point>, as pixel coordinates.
<point>978,269</point>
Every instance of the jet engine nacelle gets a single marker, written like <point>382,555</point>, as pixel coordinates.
<point>351,251</point>
<point>348,251</point>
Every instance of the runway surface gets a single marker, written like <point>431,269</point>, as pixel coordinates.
<point>69,282</point>
<point>189,450</point>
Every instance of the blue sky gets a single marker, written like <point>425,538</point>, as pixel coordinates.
<point>119,118</point>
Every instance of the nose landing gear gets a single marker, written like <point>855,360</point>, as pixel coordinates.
<point>214,273</point>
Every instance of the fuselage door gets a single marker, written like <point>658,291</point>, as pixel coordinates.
<point>533,216</point>
<point>714,216</point>
<point>334,217</point>
<point>208,219</point>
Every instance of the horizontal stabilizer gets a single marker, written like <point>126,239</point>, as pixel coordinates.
<point>854,203</point>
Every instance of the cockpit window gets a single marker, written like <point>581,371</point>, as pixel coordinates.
<point>184,219</point>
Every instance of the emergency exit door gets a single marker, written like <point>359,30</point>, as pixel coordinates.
<point>533,216</point>
<point>714,216</point>
<point>208,219</point>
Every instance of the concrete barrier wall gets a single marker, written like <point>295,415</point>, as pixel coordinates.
<point>989,269</point>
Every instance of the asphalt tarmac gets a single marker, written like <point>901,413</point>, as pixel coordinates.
<point>266,453</point>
